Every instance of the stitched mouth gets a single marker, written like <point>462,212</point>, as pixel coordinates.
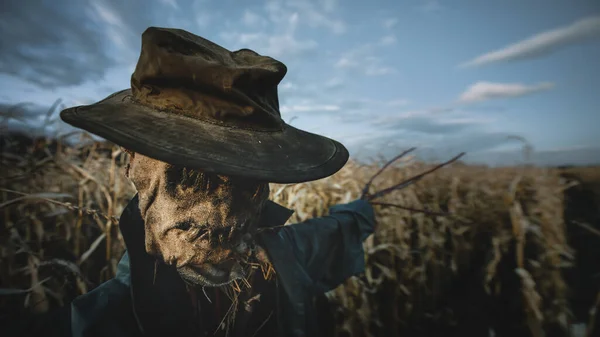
<point>211,275</point>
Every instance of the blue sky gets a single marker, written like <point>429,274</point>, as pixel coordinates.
<point>379,76</point>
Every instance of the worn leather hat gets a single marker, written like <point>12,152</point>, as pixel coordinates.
<point>195,104</point>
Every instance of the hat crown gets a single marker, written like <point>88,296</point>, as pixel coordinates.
<point>184,73</point>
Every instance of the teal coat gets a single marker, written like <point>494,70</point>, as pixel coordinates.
<point>310,258</point>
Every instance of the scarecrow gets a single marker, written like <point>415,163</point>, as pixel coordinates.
<point>206,252</point>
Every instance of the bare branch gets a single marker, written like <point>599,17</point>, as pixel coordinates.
<point>417,210</point>
<point>370,182</point>
<point>412,180</point>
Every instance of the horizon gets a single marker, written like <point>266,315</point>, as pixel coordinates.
<point>499,159</point>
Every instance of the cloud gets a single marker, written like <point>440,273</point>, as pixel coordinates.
<point>334,83</point>
<point>288,44</point>
<point>287,86</point>
<point>543,44</point>
<point>441,147</point>
<point>296,89</point>
<point>329,5</point>
<point>437,131</point>
<point>346,62</point>
<point>278,32</point>
<point>116,30</point>
<point>310,14</point>
<point>397,103</point>
<point>357,140</point>
<point>66,43</point>
<point>46,45</point>
<point>429,122</point>
<point>580,155</point>
<point>172,3</point>
<point>430,6</point>
<point>31,118</point>
<point>390,23</point>
<point>287,109</point>
<point>203,19</point>
<point>317,17</point>
<point>23,112</point>
<point>387,40</point>
<point>377,70</point>
<point>252,19</point>
<point>361,109</point>
<point>437,143</point>
<point>283,43</point>
<point>483,91</point>
<point>475,141</point>
<point>361,59</point>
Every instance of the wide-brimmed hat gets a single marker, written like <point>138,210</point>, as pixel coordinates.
<point>195,104</point>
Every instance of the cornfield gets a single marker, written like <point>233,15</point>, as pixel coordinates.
<point>495,265</point>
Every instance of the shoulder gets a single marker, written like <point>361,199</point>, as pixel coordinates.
<point>107,307</point>
<point>359,206</point>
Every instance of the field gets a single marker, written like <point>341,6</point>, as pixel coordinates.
<point>516,255</point>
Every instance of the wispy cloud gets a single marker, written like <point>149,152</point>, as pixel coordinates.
<point>397,103</point>
<point>67,54</point>
<point>430,6</point>
<point>283,43</point>
<point>378,70</point>
<point>334,83</point>
<point>115,26</point>
<point>203,19</point>
<point>287,86</point>
<point>361,59</point>
<point>483,91</point>
<point>390,23</point>
<point>23,112</point>
<point>30,118</point>
<point>314,16</point>
<point>172,3</point>
<point>387,40</point>
<point>435,131</point>
<point>274,31</point>
<point>577,155</point>
<point>429,124</point>
<point>329,5</point>
<point>251,19</point>
<point>361,109</point>
<point>542,44</point>
<point>309,108</point>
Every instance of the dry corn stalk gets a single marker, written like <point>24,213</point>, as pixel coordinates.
<point>412,260</point>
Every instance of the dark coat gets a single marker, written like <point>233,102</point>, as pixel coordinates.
<point>148,298</point>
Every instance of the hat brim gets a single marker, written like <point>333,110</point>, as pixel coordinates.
<point>287,156</point>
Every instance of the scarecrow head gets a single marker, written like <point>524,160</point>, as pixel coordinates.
<point>203,127</point>
<point>200,222</point>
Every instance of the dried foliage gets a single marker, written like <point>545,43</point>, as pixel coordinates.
<point>503,216</point>
<point>494,263</point>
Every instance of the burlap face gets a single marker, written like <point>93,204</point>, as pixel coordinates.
<point>200,223</point>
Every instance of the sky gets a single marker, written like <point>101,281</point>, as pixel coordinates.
<point>490,78</point>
